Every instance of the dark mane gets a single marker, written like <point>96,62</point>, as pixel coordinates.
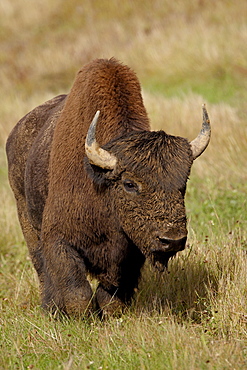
<point>168,156</point>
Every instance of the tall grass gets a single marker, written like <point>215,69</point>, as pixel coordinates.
<point>185,53</point>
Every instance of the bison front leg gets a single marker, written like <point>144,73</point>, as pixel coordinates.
<point>109,302</point>
<point>66,288</point>
<point>112,299</point>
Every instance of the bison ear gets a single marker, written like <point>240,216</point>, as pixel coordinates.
<point>101,177</point>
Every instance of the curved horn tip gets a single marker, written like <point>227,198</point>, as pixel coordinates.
<point>96,116</point>
<point>95,119</point>
<point>199,144</point>
<point>205,114</point>
<point>90,138</point>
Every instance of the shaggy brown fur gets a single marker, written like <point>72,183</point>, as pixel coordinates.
<point>78,218</point>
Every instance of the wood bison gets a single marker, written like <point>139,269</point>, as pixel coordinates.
<point>98,193</point>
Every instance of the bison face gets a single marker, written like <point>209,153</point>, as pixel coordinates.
<point>146,190</point>
<point>152,216</point>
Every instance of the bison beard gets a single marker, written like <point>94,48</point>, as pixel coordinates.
<point>98,193</point>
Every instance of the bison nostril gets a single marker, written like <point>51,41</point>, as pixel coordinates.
<point>168,243</point>
<point>165,241</point>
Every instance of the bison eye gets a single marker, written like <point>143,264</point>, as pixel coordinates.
<point>130,186</point>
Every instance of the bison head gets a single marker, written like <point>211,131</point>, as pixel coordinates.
<point>146,173</point>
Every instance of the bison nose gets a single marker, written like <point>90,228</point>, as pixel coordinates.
<point>165,241</point>
<point>166,244</point>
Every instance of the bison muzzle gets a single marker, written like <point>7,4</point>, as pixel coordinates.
<point>97,191</point>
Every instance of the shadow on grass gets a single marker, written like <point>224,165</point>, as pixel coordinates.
<point>184,290</point>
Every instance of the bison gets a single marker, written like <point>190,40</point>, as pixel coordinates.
<point>97,191</point>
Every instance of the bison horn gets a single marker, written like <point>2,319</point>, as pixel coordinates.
<point>199,144</point>
<point>96,155</point>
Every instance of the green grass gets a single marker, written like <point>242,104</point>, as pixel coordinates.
<point>185,53</point>
<point>217,208</point>
<point>218,86</point>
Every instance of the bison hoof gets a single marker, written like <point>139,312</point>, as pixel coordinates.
<point>109,305</point>
<point>73,303</point>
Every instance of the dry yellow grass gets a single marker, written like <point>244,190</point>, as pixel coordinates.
<point>226,155</point>
<point>43,46</point>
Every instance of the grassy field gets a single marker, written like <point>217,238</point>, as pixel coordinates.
<point>185,53</point>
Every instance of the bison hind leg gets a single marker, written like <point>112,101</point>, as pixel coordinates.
<point>31,236</point>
